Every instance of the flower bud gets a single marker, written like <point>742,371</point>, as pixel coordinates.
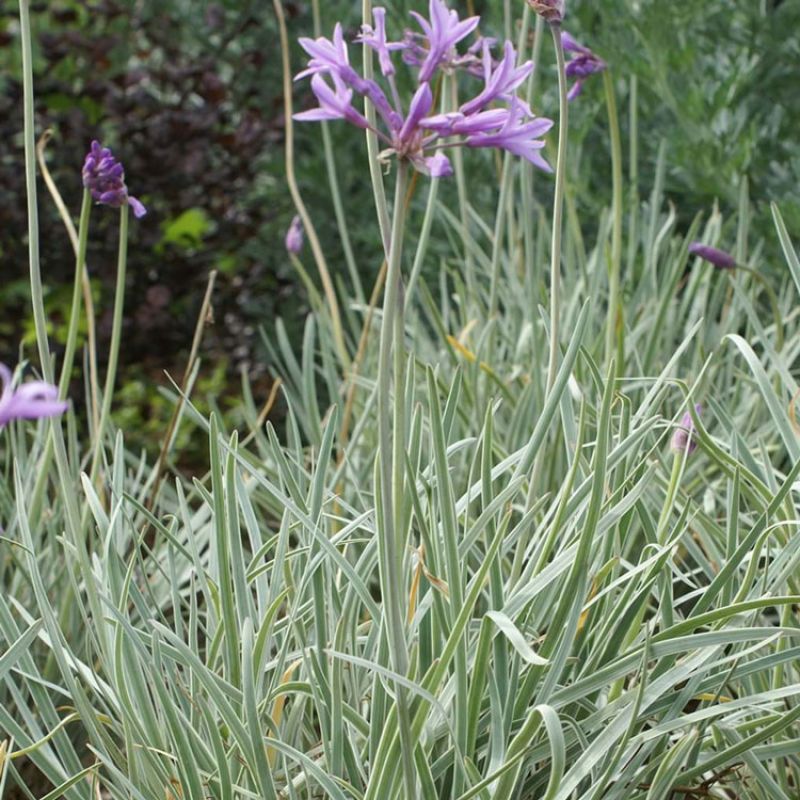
<point>550,10</point>
<point>683,440</point>
<point>295,237</point>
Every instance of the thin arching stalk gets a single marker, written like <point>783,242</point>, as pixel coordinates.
<point>558,207</point>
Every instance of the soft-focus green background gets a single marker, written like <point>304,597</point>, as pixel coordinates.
<point>189,96</point>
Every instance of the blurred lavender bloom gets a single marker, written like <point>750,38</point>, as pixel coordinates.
<point>32,400</point>
<point>295,236</point>
<point>550,10</point>
<point>104,177</point>
<point>584,64</point>
<point>683,440</point>
<point>413,135</point>
<point>719,258</point>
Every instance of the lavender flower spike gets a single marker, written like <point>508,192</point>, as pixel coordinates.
<point>550,10</point>
<point>443,31</point>
<point>683,440</point>
<point>295,237</point>
<point>32,400</point>
<point>104,177</point>
<point>719,258</point>
<point>584,64</point>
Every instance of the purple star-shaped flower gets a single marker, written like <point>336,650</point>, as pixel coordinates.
<point>375,37</point>
<point>584,64</point>
<point>500,81</point>
<point>104,177</point>
<point>32,400</point>
<point>443,31</point>
<point>518,136</point>
<point>336,103</point>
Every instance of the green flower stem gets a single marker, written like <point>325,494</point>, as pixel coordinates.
<point>37,294</point>
<point>773,302</point>
<point>75,310</point>
<point>373,146</point>
<point>391,432</point>
<point>463,202</point>
<point>69,353</point>
<point>665,576</point>
<point>615,328</point>
<point>558,207</point>
<point>291,180</point>
<point>114,346</point>
<point>333,180</point>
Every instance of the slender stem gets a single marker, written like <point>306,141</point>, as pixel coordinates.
<point>633,171</point>
<point>614,329</point>
<point>391,431</point>
<point>75,310</point>
<point>37,294</point>
<point>558,206</point>
<point>336,195</point>
<point>86,285</point>
<point>665,577</point>
<point>463,202</point>
<point>114,346</point>
<point>291,180</point>
<point>375,173</point>
<point>773,302</point>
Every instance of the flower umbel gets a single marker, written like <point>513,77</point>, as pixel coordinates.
<point>104,177</point>
<point>295,237</point>
<point>683,440</point>
<point>494,117</point>
<point>30,401</point>
<point>719,258</point>
<point>584,64</point>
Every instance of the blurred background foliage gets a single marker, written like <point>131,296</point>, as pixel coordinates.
<point>189,96</point>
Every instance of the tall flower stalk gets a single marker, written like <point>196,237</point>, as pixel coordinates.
<point>615,326</point>
<point>413,136</point>
<point>558,203</point>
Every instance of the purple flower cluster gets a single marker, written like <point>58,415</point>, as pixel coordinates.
<point>584,64</point>
<point>683,440</point>
<point>30,401</point>
<point>104,177</point>
<point>494,118</point>
<point>719,258</point>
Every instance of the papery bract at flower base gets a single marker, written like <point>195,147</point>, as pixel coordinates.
<point>32,400</point>
<point>104,177</point>
<point>550,10</point>
<point>683,440</point>
<point>719,258</point>
<point>584,64</point>
<point>415,135</point>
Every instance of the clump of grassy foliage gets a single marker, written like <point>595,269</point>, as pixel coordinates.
<point>586,612</point>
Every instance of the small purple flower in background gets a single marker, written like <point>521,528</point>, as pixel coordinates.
<point>550,10</point>
<point>493,118</point>
<point>32,400</point>
<point>719,258</point>
<point>584,64</point>
<point>104,177</point>
<point>295,236</point>
<point>683,440</point>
